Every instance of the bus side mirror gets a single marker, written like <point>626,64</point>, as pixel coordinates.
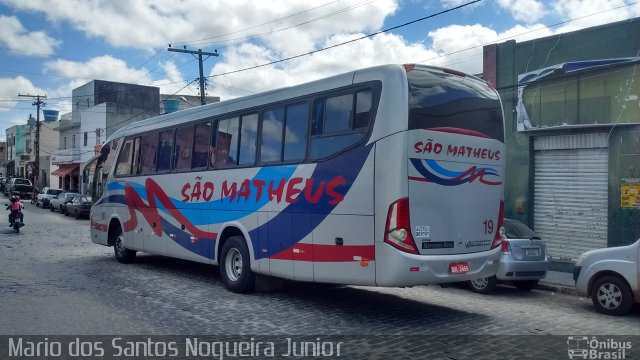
<point>104,153</point>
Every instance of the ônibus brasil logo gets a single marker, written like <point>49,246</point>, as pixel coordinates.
<point>583,347</point>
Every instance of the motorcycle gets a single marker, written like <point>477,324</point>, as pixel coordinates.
<point>14,221</point>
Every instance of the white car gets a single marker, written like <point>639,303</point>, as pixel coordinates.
<point>46,195</point>
<point>60,201</point>
<point>610,277</point>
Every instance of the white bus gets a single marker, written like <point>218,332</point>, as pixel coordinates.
<point>386,176</point>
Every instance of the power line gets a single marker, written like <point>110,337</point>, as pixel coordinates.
<point>201,41</point>
<point>272,32</point>
<point>349,41</point>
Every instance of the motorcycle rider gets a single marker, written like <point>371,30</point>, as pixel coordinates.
<point>15,207</point>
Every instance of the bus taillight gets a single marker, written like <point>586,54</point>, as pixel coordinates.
<point>500,234</point>
<point>398,229</point>
<point>409,67</point>
<point>506,248</point>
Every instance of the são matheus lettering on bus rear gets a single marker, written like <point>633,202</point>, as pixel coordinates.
<point>289,190</point>
<point>429,147</point>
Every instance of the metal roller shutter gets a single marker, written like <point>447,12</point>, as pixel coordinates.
<point>571,193</point>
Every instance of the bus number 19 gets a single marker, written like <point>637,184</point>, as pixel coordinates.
<point>488,226</point>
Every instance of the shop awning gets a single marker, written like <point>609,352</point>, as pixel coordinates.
<point>65,169</point>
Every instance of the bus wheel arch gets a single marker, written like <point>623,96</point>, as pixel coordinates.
<point>234,260</point>
<point>115,239</point>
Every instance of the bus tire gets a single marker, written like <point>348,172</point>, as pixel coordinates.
<point>122,254</point>
<point>235,266</point>
<point>483,285</point>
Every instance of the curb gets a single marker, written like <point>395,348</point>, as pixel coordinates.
<point>559,288</point>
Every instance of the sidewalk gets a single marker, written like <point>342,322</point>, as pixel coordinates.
<point>557,281</point>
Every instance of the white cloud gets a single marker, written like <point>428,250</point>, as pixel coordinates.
<point>203,22</point>
<point>528,11</point>
<point>19,41</point>
<point>381,49</point>
<point>599,12</point>
<point>109,68</point>
<point>11,87</point>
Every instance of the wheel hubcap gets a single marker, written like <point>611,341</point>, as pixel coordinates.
<point>233,264</point>
<point>480,283</point>
<point>609,296</point>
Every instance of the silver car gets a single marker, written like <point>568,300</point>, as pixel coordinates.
<point>523,261</point>
<point>611,277</point>
<point>60,201</point>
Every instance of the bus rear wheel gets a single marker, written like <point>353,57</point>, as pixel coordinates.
<point>122,254</point>
<point>235,266</point>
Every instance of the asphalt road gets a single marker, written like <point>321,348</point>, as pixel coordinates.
<point>55,281</point>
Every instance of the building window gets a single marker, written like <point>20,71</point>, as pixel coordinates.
<point>64,142</point>
<point>86,137</point>
<point>73,141</point>
<point>98,142</point>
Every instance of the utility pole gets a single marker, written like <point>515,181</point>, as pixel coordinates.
<point>36,144</point>
<point>200,53</point>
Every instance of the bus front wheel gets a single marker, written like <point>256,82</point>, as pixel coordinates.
<point>235,266</point>
<point>122,254</point>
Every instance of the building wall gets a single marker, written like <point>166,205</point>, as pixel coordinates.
<point>614,40</point>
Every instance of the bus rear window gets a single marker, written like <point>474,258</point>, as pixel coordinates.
<point>439,99</point>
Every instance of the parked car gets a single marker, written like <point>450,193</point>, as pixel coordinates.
<point>46,195</point>
<point>523,261</point>
<point>20,186</point>
<point>60,201</point>
<point>80,205</point>
<point>611,277</point>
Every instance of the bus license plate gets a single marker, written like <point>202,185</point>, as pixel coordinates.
<point>459,267</point>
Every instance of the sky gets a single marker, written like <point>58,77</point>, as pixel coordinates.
<point>50,47</point>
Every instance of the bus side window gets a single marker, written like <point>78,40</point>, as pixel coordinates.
<point>201,145</point>
<point>337,132</point>
<point>337,115</point>
<point>227,142</point>
<point>183,153</point>
<point>135,166</point>
<point>248,140</point>
<point>295,134</point>
<point>272,123</point>
<point>165,148</point>
<point>148,151</point>
<point>123,165</point>
<point>363,110</point>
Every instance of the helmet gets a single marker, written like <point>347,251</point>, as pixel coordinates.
<point>12,199</point>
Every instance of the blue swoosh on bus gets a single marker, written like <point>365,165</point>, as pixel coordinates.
<point>193,211</point>
<point>432,171</point>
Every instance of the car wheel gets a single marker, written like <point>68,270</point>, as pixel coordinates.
<point>483,285</point>
<point>525,285</point>
<point>37,203</point>
<point>611,295</point>
<point>66,213</point>
<point>122,254</point>
<point>52,208</point>
<point>61,210</point>
<point>76,214</point>
<point>235,266</point>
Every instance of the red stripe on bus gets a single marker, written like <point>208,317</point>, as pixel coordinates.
<point>326,253</point>
<point>460,131</point>
<point>416,178</point>
<point>150,211</point>
<point>97,226</point>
